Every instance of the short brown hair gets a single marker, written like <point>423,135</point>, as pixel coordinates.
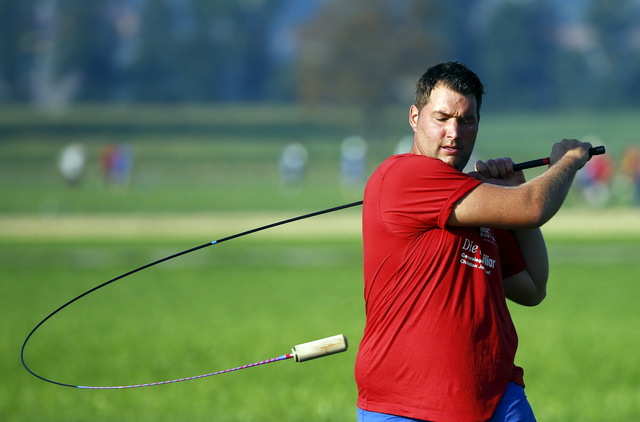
<point>453,75</point>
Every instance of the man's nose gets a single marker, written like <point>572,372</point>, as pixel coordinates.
<point>453,129</point>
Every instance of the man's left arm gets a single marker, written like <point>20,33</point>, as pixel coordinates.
<point>529,287</point>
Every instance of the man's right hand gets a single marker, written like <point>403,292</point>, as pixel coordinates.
<point>570,149</point>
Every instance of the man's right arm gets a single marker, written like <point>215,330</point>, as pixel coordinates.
<point>530,204</point>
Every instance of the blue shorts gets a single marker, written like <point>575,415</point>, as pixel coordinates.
<point>513,407</point>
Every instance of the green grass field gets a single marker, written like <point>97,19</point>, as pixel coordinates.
<point>205,172</point>
<point>252,299</point>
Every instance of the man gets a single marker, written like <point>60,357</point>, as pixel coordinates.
<point>442,250</point>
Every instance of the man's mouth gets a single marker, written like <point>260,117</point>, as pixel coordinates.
<point>451,149</point>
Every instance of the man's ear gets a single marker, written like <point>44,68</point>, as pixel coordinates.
<point>414,114</point>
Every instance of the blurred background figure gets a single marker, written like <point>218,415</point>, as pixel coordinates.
<point>106,162</point>
<point>116,163</point>
<point>596,179</point>
<point>353,161</point>
<point>123,164</point>
<point>631,170</point>
<point>293,164</point>
<point>71,163</point>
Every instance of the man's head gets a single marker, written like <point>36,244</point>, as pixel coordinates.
<point>446,114</point>
<point>454,76</point>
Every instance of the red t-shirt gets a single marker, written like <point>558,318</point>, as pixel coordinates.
<point>439,343</point>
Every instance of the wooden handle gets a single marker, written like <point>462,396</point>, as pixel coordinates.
<point>318,348</point>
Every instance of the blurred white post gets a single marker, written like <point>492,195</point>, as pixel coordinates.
<point>50,90</point>
<point>353,160</point>
<point>293,164</point>
<point>71,163</point>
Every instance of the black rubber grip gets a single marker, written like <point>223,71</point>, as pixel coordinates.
<point>545,161</point>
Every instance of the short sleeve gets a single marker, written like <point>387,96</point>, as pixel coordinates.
<point>419,193</point>
<point>511,257</point>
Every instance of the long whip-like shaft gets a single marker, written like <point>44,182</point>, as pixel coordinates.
<point>521,166</point>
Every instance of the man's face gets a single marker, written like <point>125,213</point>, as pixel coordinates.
<point>446,127</point>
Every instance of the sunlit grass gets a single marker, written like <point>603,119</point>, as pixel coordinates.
<point>256,298</point>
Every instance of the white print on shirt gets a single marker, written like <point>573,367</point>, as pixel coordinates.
<point>478,260</point>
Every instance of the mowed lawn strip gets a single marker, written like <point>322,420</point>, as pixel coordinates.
<point>582,223</point>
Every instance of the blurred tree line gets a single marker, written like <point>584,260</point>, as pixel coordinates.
<point>530,54</point>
